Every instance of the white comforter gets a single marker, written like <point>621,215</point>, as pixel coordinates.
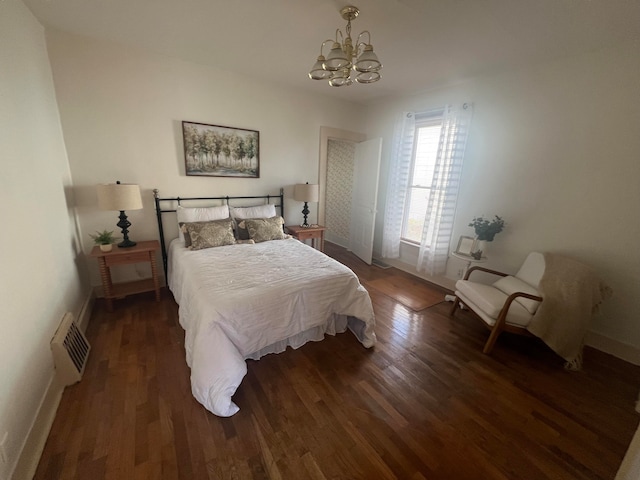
<point>245,301</point>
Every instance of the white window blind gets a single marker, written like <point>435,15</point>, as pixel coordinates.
<point>423,189</point>
<point>427,139</point>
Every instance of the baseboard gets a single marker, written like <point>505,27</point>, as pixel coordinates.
<point>34,444</point>
<point>598,341</point>
<point>623,351</point>
<point>85,311</point>
<point>39,432</point>
<point>441,281</point>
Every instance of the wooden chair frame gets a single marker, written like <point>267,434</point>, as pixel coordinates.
<point>500,325</point>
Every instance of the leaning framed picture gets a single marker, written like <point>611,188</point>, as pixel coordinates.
<point>217,151</point>
<point>465,245</point>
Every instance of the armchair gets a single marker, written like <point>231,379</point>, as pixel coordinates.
<point>509,304</point>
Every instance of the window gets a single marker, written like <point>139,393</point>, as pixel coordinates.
<point>424,176</point>
<point>423,161</point>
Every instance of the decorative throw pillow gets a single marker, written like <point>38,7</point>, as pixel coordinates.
<point>243,213</point>
<point>185,232</point>
<point>200,214</point>
<point>210,234</point>
<point>264,229</point>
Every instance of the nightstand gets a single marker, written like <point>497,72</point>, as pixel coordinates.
<point>141,253</point>
<point>313,232</point>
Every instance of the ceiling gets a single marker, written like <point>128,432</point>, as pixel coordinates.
<point>421,43</point>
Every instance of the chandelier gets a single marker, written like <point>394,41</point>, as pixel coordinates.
<point>345,57</point>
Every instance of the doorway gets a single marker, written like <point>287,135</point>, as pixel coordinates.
<point>340,164</point>
<point>342,143</point>
<point>348,185</point>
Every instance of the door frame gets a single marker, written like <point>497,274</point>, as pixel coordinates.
<point>326,134</point>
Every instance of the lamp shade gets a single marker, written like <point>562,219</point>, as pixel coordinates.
<point>303,192</point>
<point>119,196</point>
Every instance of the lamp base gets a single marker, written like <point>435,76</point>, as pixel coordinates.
<point>124,224</point>
<point>305,212</point>
<point>127,243</point>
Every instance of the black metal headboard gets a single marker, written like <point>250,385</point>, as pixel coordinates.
<point>173,202</point>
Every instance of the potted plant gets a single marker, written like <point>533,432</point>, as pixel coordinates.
<point>486,231</point>
<point>104,239</point>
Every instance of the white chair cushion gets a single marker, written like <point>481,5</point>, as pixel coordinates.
<point>487,301</point>
<point>532,269</point>
<point>511,285</point>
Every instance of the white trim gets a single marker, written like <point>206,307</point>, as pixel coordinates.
<point>439,280</point>
<point>33,446</point>
<point>613,347</point>
<point>85,311</point>
<point>630,466</point>
<point>620,350</point>
<point>39,432</point>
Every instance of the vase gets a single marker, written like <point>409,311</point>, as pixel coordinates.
<point>478,248</point>
<point>106,248</point>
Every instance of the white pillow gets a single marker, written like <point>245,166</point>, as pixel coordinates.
<point>200,214</point>
<point>259,211</point>
<point>509,285</point>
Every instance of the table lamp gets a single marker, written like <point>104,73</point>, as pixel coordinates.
<point>303,192</point>
<point>120,197</point>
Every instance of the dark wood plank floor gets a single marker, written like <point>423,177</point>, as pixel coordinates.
<point>425,403</point>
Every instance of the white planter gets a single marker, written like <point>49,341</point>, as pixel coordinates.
<point>106,248</point>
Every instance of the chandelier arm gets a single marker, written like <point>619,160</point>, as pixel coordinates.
<point>323,44</point>
<point>358,42</point>
<point>343,55</point>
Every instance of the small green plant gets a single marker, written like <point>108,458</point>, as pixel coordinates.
<point>103,238</point>
<point>485,229</point>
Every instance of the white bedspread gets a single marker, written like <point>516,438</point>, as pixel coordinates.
<point>245,301</point>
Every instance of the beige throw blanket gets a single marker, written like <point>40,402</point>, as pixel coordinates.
<point>572,293</point>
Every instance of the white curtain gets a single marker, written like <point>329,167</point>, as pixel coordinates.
<point>398,184</point>
<point>438,226</point>
<point>441,209</point>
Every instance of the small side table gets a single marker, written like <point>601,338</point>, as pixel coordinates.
<point>141,253</point>
<point>313,232</point>
<point>469,259</point>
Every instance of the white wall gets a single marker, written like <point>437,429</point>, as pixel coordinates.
<point>121,112</point>
<point>40,277</point>
<point>555,150</point>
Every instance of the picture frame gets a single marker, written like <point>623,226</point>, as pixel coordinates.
<point>218,151</point>
<point>465,245</point>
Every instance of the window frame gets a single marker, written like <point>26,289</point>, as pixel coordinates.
<point>429,119</point>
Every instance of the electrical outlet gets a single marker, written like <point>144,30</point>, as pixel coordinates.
<point>3,448</point>
<point>460,273</point>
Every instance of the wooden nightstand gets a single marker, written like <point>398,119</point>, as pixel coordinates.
<point>314,232</point>
<point>141,253</point>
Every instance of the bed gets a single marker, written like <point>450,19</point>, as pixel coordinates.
<point>242,301</point>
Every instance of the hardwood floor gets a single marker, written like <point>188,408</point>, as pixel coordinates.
<point>424,403</point>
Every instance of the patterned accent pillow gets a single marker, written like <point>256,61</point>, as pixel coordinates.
<point>209,234</point>
<point>241,229</point>
<point>185,233</point>
<point>200,214</point>
<point>243,213</point>
<point>264,229</point>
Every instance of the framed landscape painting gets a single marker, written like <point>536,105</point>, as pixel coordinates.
<point>216,151</point>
